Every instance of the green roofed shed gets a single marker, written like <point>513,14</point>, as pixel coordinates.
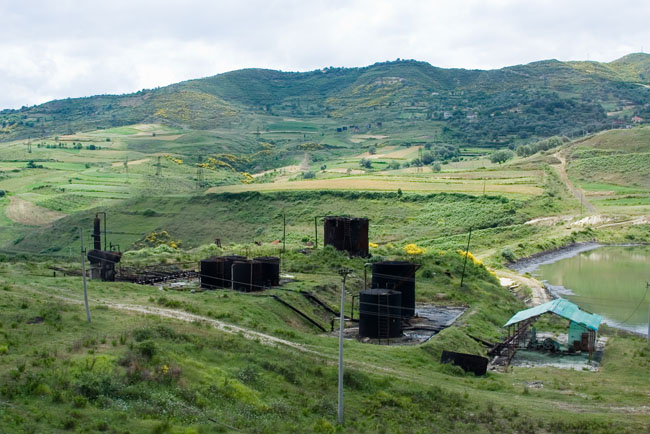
<point>560,307</point>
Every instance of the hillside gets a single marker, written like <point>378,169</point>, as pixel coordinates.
<point>486,108</point>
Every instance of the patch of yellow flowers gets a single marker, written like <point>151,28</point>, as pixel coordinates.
<point>474,259</point>
<point>373,245</point>
<point>413,249</point>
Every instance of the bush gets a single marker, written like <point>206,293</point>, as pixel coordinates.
<point>147,349</point>
<point>149,212</point>
<point>393,165</point>
<point>308,175</point>
<point>508,255</point>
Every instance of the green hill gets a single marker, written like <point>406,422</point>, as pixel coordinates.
<point>487,108</point>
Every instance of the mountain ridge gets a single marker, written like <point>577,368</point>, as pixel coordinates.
<point>582,93</point>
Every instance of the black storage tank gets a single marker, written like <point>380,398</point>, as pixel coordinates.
<point>212,273</point>
<point>347,233</point>
<point>227,268</point>
<point>270,270</point>
<point>247,276</point>
<point>398,276</point>
<point>380,314</point>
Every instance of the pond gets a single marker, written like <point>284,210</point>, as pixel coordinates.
<point>608,280</point>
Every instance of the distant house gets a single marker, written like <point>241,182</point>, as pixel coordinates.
<point>637,119</point>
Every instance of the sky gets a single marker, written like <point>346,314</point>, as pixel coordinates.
<point>64,48</point>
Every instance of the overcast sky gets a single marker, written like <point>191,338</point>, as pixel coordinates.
<point>64,48</point>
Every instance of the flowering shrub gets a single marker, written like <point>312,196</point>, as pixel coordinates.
<point>475,260</point>
<point>373,245</point>
<point>156,239</point>
<point>173,159</point>
<point>413,249</point>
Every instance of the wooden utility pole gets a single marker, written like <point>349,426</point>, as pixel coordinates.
<point>83,274</point>
<point>344,273</point>
<point>647,285</point>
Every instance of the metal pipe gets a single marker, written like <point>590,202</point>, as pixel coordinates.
<point>343,272</point>
<point>103,212</point>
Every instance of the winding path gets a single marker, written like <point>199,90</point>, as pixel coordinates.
<point>579,195</point>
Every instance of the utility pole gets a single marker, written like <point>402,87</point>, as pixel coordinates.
<point>316,232</point>
<point>647,285</point>
<point>462,277</point>
<point>344,273</point>
<point>284,232</point>
<point>83,274</point>
<point>158,168</point>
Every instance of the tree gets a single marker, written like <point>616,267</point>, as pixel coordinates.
<point>365,163</point>
<point>436,167</point>
<point>393,165</point>
<point>501,156</point>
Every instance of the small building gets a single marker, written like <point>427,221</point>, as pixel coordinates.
<point>583,326</point>
<point>637,119</point>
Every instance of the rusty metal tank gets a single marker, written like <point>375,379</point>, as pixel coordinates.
<point>247,276</point>
<point>398,276</point>
<point>347,233</point>
<point>270,270</point>
<point>212,271</point>
<point>380,314</point>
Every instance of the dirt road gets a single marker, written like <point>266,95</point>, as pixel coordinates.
<point>579,195</point>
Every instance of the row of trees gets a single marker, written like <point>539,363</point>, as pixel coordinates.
<point>542,145</point>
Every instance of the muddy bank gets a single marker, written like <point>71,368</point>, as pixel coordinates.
<point>529,264</point>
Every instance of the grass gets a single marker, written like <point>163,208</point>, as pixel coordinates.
<point>149,374</point>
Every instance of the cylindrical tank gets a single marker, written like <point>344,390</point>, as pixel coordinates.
<point>270,270</point>
<point>98,256</point>
<point>97,234</point>
<point>227,268</point>
<point>212,273</point>
<point>380,314</point>
<point>247,276</point>
<point>398,276</point>
<point>347,233</point>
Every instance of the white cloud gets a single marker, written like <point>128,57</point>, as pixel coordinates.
<point>76,48</point>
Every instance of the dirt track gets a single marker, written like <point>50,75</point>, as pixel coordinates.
<point>561,170</point>
<point>24,212</point>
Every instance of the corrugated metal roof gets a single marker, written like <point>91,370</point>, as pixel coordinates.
<point>563,308</point>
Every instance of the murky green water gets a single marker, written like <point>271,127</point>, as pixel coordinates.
<point>610,281</point>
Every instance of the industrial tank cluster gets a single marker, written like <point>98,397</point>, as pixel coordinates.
<point>391,300</point>
<point>239,273</point>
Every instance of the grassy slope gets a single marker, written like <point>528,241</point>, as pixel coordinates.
<point>614,168</point>
<point>64,374</point>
